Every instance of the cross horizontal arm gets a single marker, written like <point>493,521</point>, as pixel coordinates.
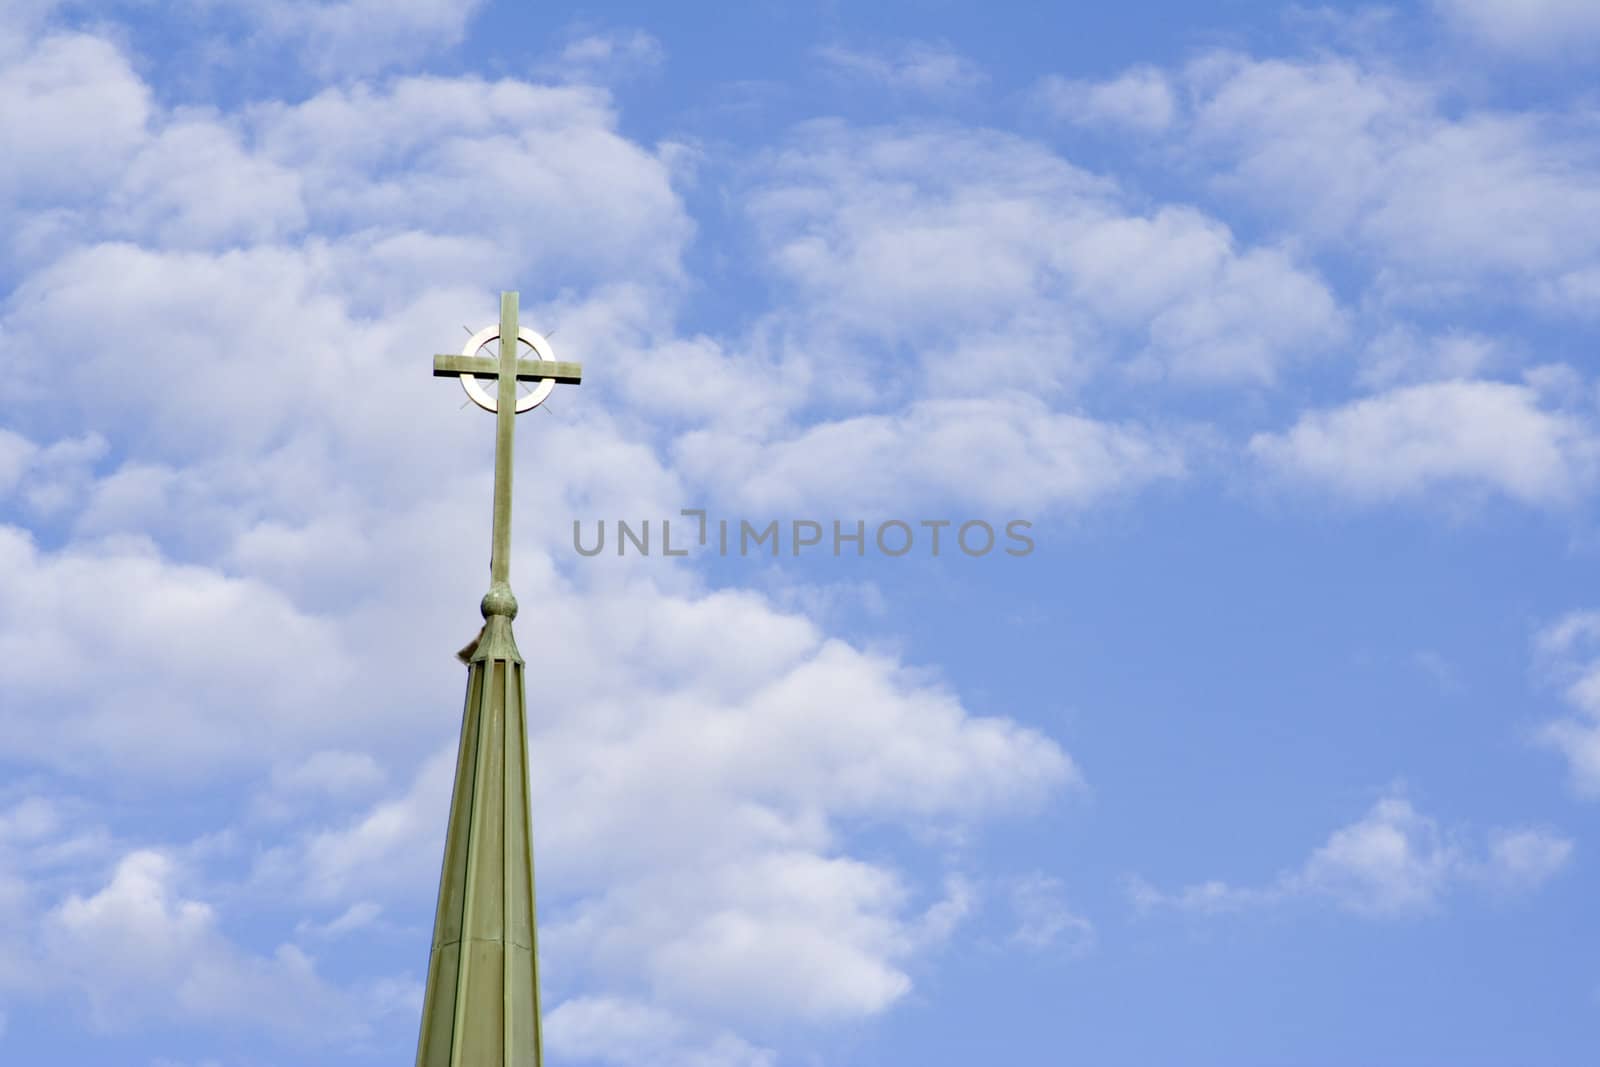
<point>449,366</point>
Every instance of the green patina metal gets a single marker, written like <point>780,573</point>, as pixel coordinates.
<point>481,1006</point>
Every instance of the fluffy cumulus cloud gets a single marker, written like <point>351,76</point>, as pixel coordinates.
<point>442,157</point>
<point>179,652</point>
<point>693,805</point>
<point>1356,154</point>
<point>1363,156</point>
<point>137,946</point>
<point>400,190</point>
<point>1476,435</point>
<point>1393,862</point>
<point>76,115</point>
<point>930,239</point>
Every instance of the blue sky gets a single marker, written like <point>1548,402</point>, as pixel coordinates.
<point>1277,323</point>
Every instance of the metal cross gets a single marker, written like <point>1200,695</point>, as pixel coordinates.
<point>506,371</point>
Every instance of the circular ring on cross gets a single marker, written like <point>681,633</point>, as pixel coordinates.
<point>485,398</point>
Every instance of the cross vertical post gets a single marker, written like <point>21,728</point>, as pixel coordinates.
<point>505,427</point>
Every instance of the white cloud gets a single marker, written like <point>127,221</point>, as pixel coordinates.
<point>382,848</point>
<point>1140,99</point>
<point>18,969</point>
<point>16,455</point>
<point>46,838</point>
<point>283,357</point>
<point>780,935</point>
<point>1579,742</point>
<point>1568,651</point>
<point>919,232</point>
<point>405,188</point>
<point>75,111</point>
<point>192,671</point>
<point>1527,857</point>
<point>444,156</point>
<point>691,803</point>
<point>137,948</point>
<point>1578,288</point>
<point>330,772</point>
<point>1355,155</point>
<point>195,185</point>
<point>157,384</point>
<point>624,1032</point>
<point>332,162</point>
<point>24,19</point>
<point>122,936</point>
<point>1413,439</point>
<point>915,67</point>
<point>996,454</point>
<point>355,37</point>
<point>289,557</point>
<point>50,479</point>
<point>987,258</point>
<point>1203,898</point>
<point>357,916</point>
<point>606,57</point>
<point>698,380</point>
<point>319,781</point>
<point>298,345</point>
<point>1535,29</point>
<point>1402,355</point>
<point>28,819</point>
<point>1392,862</point>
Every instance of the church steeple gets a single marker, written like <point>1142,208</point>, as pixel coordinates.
<point>481,1005</point>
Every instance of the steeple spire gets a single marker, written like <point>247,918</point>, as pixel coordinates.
<point>481,1005</point>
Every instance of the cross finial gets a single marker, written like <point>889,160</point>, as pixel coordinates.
<point>506,371</point>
